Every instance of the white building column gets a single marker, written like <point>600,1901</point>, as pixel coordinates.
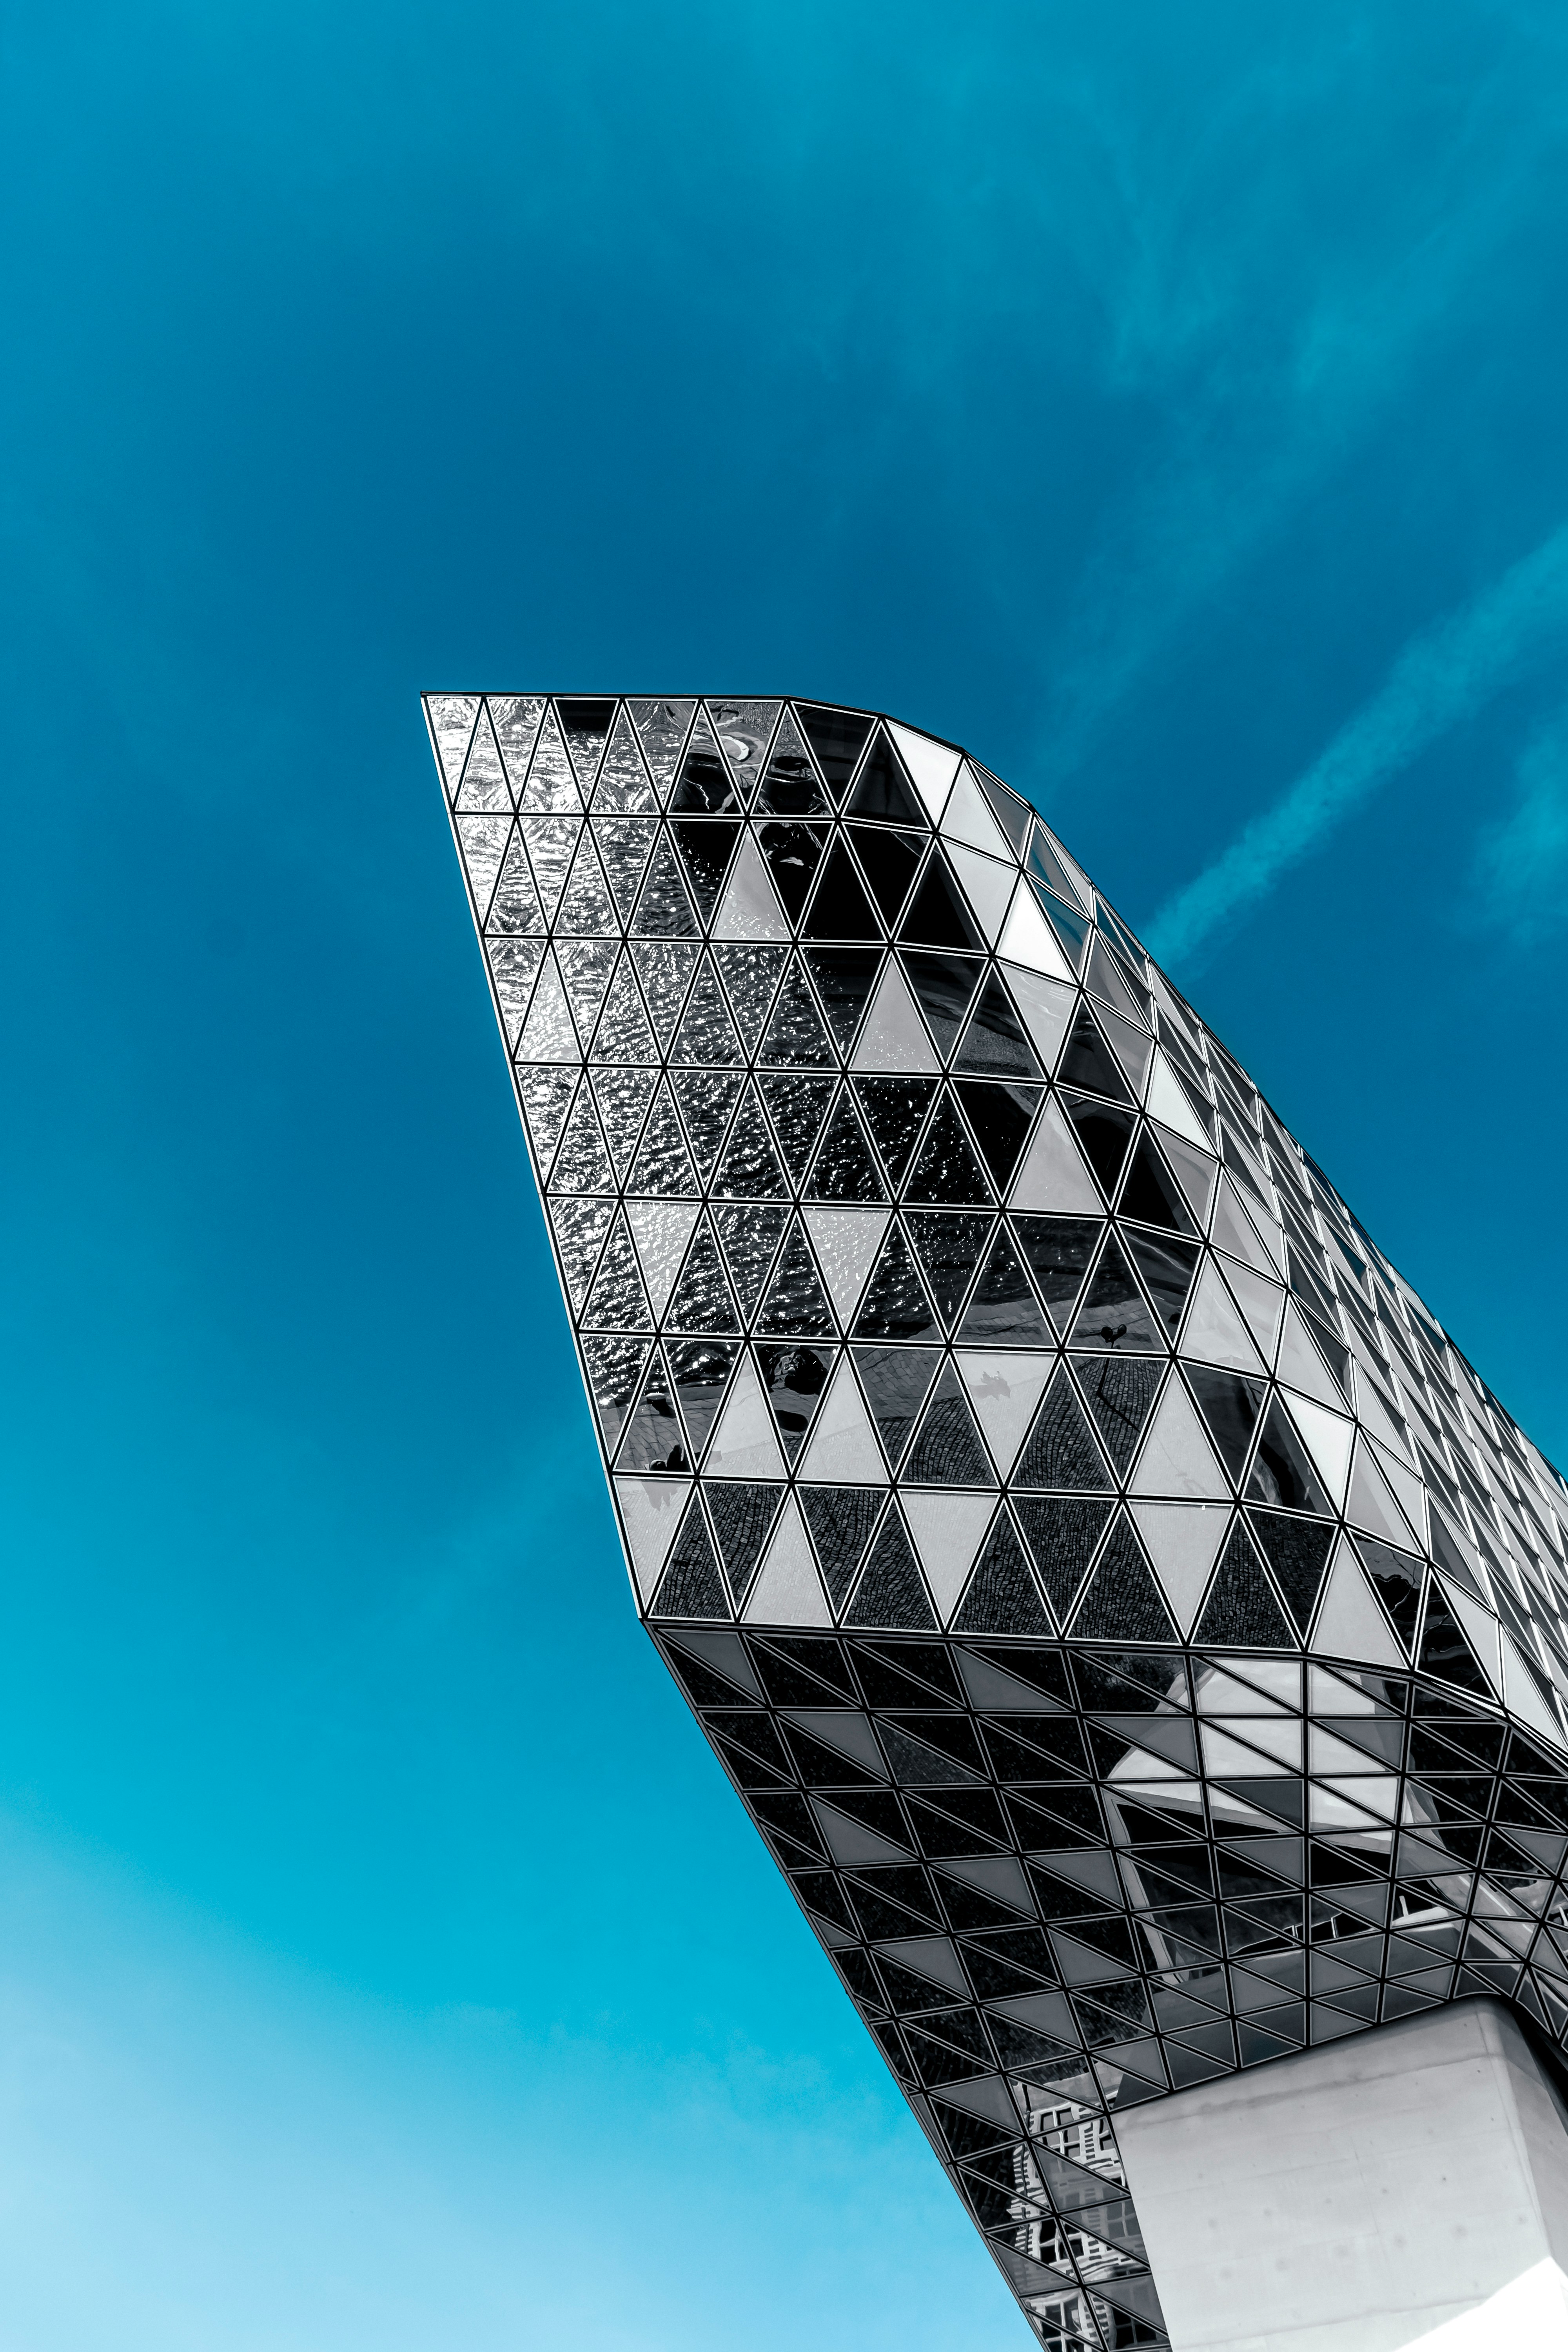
<point>1408,2186</point>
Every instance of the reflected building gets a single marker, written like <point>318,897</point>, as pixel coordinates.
<point>1138,1633</point>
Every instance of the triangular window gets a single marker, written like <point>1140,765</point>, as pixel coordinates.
<point>895,1111</point>
<point>1241,1612</point>
<point>707,1033</point>
<point>1297,1552</point>
<point>893,1591</point>
<point>1001,1596</point>
<point>1398,1581</point>
<point>750,1169</point>
<point>655,1439</point>
<point>1167,1267</point>
<point>623,846</point>
<point>889,862</point>
<point>883,790</point>
<point>1115,1313</point>
<point>938,917</point>
<point>1230,1405</point>
<point>796,1303</point>
<point>744,1518</point>
<point>840,908</point>
<point>1444,1649</point>
<point>707,1099</point>
<point>844,1169</point>
<point>1120,1392</point>
<point>1001,1116</point>
<point>944,985</point>
<point>1061,1451</point>
<point>1283,1471</point>
<point>1150,1192</point>
<point>947,1448</point>
<point>1103,1136</point>
<point>704,785</point>
<point>841,1519</point>
<point>794,1379</point>
<point>790,786</point>
<point>949,1249</point>
<point>702,1300</point>
<point>1004,1312</point>
<point>749,970</point>
<point>994,1045</point>
<point>895,1305</point>
<point>664,908</point>
<point>663,1169</point>
<point>692,1585</point>
<point>794,853</point>
<point>749,1237</point>
<point>1062,1536</point>
<point>1123,1602</point>
<point>1059,1250</point>
<point>705,852</point>
<point>845,978</point>
<point>896,1381</point>
<point>1088,1061</point>
<point>837,737</point>
<point>798,1109</point>
<point>665,968</point>
<point>701,1370</point>
<point>946,1169</point>
<point>796,1033</point>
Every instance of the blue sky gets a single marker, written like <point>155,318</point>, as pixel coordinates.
<point>1167,403</point>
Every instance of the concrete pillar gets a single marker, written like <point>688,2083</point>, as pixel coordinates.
<point>1405,2187</point>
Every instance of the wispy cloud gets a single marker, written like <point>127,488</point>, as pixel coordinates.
<point>1522,864</point>
<point>1441,677</point>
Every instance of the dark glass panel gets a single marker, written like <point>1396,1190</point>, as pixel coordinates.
<point>840,908</point>
<point>938,917</point>
<point>883,789</point>
<point>837,737</point>
<point>889,862</point>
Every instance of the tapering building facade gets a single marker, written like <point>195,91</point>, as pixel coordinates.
<point>1139,1635</point>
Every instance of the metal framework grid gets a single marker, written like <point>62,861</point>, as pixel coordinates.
<point>1139,1635</point>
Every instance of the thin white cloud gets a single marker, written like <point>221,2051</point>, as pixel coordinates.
<point>1522,864</point>
<point>1441,677</point>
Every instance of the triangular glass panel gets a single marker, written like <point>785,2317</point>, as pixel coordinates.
<point>551,842</point>
<point>614,1366</point>
<point>663,972</point>
<point>452,719</point>
<point>585,966</point>
<point>706,1032</point>
<point>1004,1312</point>
<point>1001,1596</point>
<point>1241,1612</point>
<point>1115,1313</point>
<point>793,853</point>
<point>742,730</point>
<point>744,1515</point>
<point>1297,1552</point>
<point>895,1305</point>
<point>662,726</point>
<point>1398,1579</point>
<point>1070,928</point>
<point>844,1168</point>
<point>938,916</point>
<point>840,908</point>
<point>551,785</point>
<point>692,1584</point>
<point>888,860</point>
<point>795,1035</point>
<point>837,737</point>
<point>1061,1451</point>
<point>624,844</point>
<point>1230,1405</point>
<point>1444,1649</point>
<point>585,723</point>
<point>705,853</point>
<point>794,1379</point>
<point>895,1111</point>
<point>1196,1173</point>
<point>949,1249</point>
<point>840,1519</point>
<point>1167,1266</point>
<point>896,1381</point>
<point>883,790</point>
<point>1014,815</point>
<point>702,1300</point>
<point>1062,1535</point>
<point>750,1169</point>
<point>623,783</point>
<point>796,1303</point>
<point>1088,1061</point>
<point>947,1449</point>
<point>579,1227</point>
<point>1059,1250</point>
<point>1047,863</point>
<point>749,1238</point>
<point>623,1034</point>
<point>546,1095</point>
<point>623,1096</point>
<point>707,1099</point>
<point>790,785</point>
<point>1105,977</point>
<point>797,1107</point>
<point>750,971</point>
<point>583,1164</point>
<point>514,910</point>
<point>1283,1471</point>
<point>704,785</point>
<point>994,1043</point>
<point>1150,1192</point>
<point>700,1370</point>
<point>514,966</point>
<point>618,1302</point>
<point>845,978</point>
<point>1123,1602</point>
<point>1103,1135</point>
<point>944,985</point>
<point>663,1169</point>
<point>1001,1115</point>
<point>1119,1390</point>
<point>516,720</point>
<point>664,908</point>
<point>946,1168</point>
<point>893,1591</point>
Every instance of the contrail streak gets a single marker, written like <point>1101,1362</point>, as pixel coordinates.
<point>1441,676</point>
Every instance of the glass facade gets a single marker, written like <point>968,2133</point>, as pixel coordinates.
<point>1139,1635</point>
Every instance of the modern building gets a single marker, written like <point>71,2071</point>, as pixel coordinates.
<point>1140,1636</point>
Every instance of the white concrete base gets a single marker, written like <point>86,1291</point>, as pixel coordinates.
<point>1403,2190</point>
